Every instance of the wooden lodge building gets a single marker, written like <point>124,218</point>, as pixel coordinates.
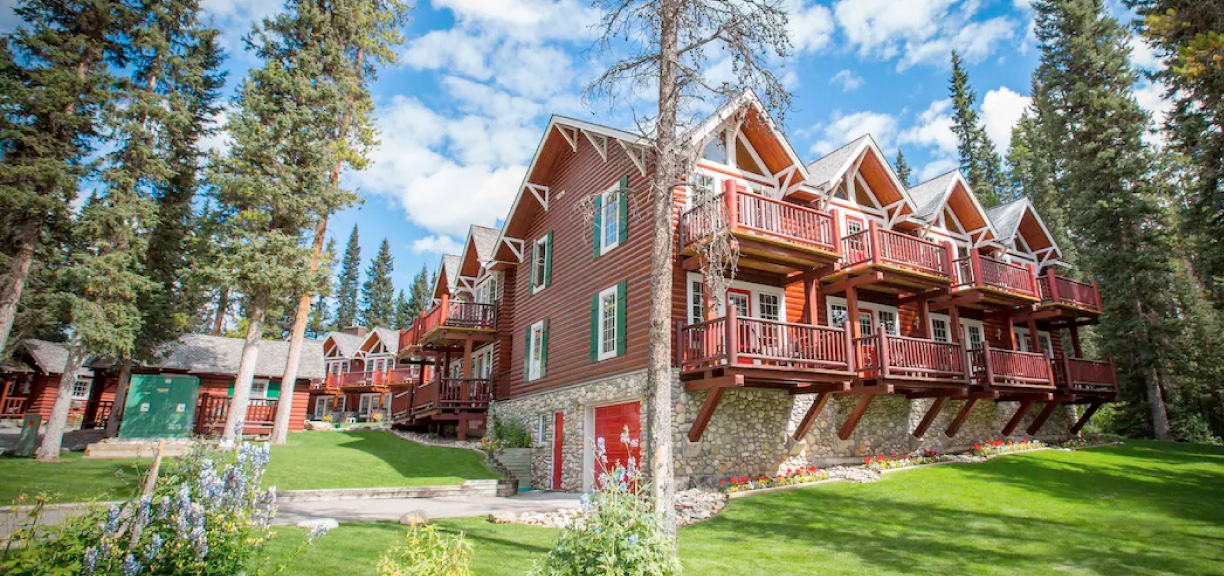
<point>864,316</point>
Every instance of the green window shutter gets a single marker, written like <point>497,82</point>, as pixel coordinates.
<point>623,198</point>
<point>231,389</point>
<point>598,224</point>
<point>620,317</point>
<point>527,356</point>
<point>548,250</point>
<point>595,327</point>
<point>544,352</point>
<point>274,389</point>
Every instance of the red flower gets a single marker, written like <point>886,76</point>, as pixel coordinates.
<point>722,482</point>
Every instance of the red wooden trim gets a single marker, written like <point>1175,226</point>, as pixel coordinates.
<point>558,453</point>
<point>873,232</point>
<point>1040,421</point>
<point>810,417</point>
<point>1017,417</point>
<point>961,417</point>
<point>929,418</point>
<point>705,413</point>
<point>732,339</point>
<point>729,197</point>
<point>1083,420</point>
<point>860,408</point>
<point>743,292</point>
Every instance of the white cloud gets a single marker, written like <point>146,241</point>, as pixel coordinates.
<point>526,20</point>
<point>846,127</point>
<point>1001,110</point>
<point>1143,55</point>
<point>810,27</point>
<point>848,80</point>
<point>933,130</point>
<point>921,31</point>
<point>937,167</point>
<point>234,18</point>
<point>1151,96</point>
<point>436,244</point>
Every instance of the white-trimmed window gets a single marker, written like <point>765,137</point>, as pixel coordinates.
<point>80,388</point>
<point>486,291</point>
<point>716,149</point>
<point>482,363</point>
<point>853,226</point>
<point>770,306</point>
<point>838,315</point>
<point>975,335</point>
<point>1024,344</point>
<point>702,188</point>
<point>542,429</point>
<point>939,330</point>
<point>537,350</point>
<point>888,319</point>
<point>865,323</point>
<point>259,388</point>
<point>870,315</point>
<point>608,323</point>
<point>746,296</point>
<point>541,263</point>
<point>609,216</point>
<point>697,311</point>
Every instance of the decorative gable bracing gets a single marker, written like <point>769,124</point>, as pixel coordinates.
<point>858,177</point>
<point>1021,231</point>
<point>754,147</point>
<point>947,203</point>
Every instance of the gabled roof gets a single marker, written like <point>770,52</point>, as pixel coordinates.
<point>200,354</point>
<point>931,195</point>
<point>1020,217</point>
<point>51,357</point>
<point>762,132</point>
<point>826,172</point>
<point>829,168</point>
<point>448,276</point>
<point>347,344</point>
<point>477,249</point>
<point>388,337</point>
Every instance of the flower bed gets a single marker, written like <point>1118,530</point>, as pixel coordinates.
<point>791,477</point>
<point>1088,440</point>
<point>883,462</point>
<point>996,447</point>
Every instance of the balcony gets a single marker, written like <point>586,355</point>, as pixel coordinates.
<point>773,235</point>
<point>900,262</point>
<point>13,407</point>
<point>452,395</point>
<point>410,338</point>
<point>1011,370</point>
<point>328,385</point>
<point>213,410</point>
<point>1071,296</point>
<point>1089,378</point>
<point>911,363</point>
<point>986,281</point>
<point>762,352</point>
<point>453,321</point>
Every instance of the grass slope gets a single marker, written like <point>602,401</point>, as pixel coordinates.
<point>1143,509</point>
<point>71,479</point>
<point>368,459</point>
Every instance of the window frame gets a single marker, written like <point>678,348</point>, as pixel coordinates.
<point>602,328</point>
<point>541,263</point>
<point>865,309</point>
<point>266,386</point>
<point>535,369</point>
<point>609,200</point>
<point>81,382</point>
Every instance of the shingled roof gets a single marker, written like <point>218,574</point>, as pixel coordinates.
<point>348,344</point>
<point>1006,218</point>
<point>51,357</point>
<point>826,169</point>
<point>485,240</point>
<point>197,353</point>
<point>930,196</point>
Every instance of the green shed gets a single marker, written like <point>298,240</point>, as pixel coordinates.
<point>160,406</point>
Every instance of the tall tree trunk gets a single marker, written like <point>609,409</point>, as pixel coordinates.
<point>659,370</point>
<point>284,406</point>
<point>121,391</point>
<point>222,307</point>
<point>1160,415</point>
<point>235,419</point>
<point>53,438</point>
<point>14,281</point>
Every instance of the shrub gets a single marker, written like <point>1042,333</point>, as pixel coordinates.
<point>508,434</point>
<point>428,552</point>
<point>618,533</point>
<point>1192,427</point>
<point>789,477</point>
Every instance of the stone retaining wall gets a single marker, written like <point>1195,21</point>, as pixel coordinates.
<point>750,432</point>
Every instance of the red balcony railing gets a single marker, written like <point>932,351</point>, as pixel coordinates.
<point>979,271</point>
<point>1085,376</point>
<point>411,336</point>
<point>762,342</point>
<point>213,410</point>
<point>403,375</point>
<point>1011,368</point>
<point>453,394</point>
<point>1057,289</point>
<point>13,408</point>
<point>459,314</point>
<point>879,246</point>
<point>905,357</point>
<point>756,214</point>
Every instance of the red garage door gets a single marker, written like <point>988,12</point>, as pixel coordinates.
<point>610,424</point>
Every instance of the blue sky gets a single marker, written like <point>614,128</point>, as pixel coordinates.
<point>462,112</point>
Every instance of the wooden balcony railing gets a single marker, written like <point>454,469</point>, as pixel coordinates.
<point>403,375</point>
<point>1085,376</point>
<point>100,414</point>
<point>879,246</point>
<point>979,271</point>
<point>1011,368</point>
<point>411,336</point>
<point>762,342</point>
<point>453,394</point>
<point>1057,289</point>
<point>459,314</point>
<point>213,410</point>
<point>759,215</point>
<point>13,408</point>
<point>905,357</point>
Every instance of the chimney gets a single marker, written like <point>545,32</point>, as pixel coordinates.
<point>358,331</point>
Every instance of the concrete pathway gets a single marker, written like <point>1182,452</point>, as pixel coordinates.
<point>443,507</point>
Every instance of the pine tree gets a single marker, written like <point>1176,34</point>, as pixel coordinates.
<point>903,170</point>
<point>403,313</point>
<point>1031,175</point>
<point>378,292</point>
<point>978,158</point>
<point>348,284</point>
<point>320,310</point>
<point>418,300</point>
<point>54,82</point>
<point>1092,128</point>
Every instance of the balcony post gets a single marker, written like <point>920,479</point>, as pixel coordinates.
<point>954,329</point>
<point>852,312</point>
<point>924,318</point>
<point>853,364</point>
<point>873,233</point>
<point>882,351</point>
<point>730,195</point>
<point>1096,295</point>
<point>1034,338</point>
<point>1075,341</point>
<point>975,266</point>
<point>1032,275</point>
<point>732,336</point>
<point>987,365</point>
<point>467,358</point>
<point>835,230</point>
<point>1052,281</point>
<point>1009,328</point>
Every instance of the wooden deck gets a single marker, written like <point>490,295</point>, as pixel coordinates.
<point>888,261</point>
<point>984,282</point>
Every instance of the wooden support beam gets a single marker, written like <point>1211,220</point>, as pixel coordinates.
<point>961,417</point>
<point>929,418</point>
<point>715,382</point>
<point>1040,421</point>
<point>860,408</point>
<point>853,282</point>
<point>1083,420</point>
<point>813,412</point>
<point>971,298</point>
<point>703,415</point>
<point>1017,417</point>
<point>1075,342</point>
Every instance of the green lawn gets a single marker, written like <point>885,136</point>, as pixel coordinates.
<point>73,478</point>
<point>368,459</point>
<point>1143,508</point>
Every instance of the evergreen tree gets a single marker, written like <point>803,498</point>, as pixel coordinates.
<point>378,292</point>
<point>403,313</point>
<point>418,300</point>
<point>1031,175</point>
<point>320,312</point>
<point>978,158</point>
<point>1092,128</point>
<point>54,82</point>
<point>903,169</point>
<point>348,284</point>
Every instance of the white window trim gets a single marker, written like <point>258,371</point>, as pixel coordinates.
<point>542,432</point>
<point>78,382</point>
<point>871,307</point>
<point>540,245</point>
<point>965,323</point>
<point>266,384</point>
<point>600,328</point>
<point>755,290</point>
<point>609,197</point>
<point>1022,337</point>
<point>532,370</point>
<point>485,353</point>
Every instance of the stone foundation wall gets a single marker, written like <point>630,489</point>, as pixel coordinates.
<point>751,431</point>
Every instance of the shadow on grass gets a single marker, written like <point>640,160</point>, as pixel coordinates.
<point>369,458</point>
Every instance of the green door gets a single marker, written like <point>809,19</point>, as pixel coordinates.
<point>159,406</point>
